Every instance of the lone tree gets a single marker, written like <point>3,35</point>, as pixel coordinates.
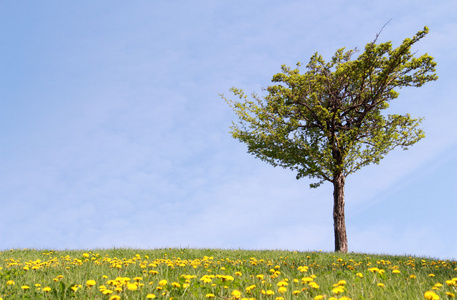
<point>328,122</point>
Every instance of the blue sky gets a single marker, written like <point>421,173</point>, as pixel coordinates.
<point>112,131</point>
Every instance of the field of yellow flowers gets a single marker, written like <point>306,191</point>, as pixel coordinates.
<point>221,274</point>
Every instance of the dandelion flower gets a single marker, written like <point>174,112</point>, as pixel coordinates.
<point>306,279</point>
<point>10,282</point>
<point>373,270</point>
<point>282,283</point>
<point>163,282</point>
<point>25,287</point>
<point>90,283</point>
<point>396,271</point>
<point>380,284</point>
<point>236,294</point>
<point>313,285</point>
<point>210,296</point>
<point>429,295</point>
<point>449,294</point>
<point>319,297</point>
<point>151,296</point>
<point>132,287</point>
<point>338,290</point>
<point>115,297</point>
<point>46,289</point>
<point>282,289</point>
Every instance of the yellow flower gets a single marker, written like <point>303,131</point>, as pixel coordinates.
<point>115,297</point>
<point>25,287</point>
<point>260,276</point>
<point>46,289</point>
<point>450,294</point>
<point>295,292</point>
<point>132,287</point>
<point>150,296</point>
<point>176,285</point>
<point>306,279</point>
<point>210,296</point>
<point>342,282</point>
<point>373,270</point>
<point>282,283</point>
<point>319,297</point>
<point>380,284</point>
<point>279,298</point>
<point>90,283</point>
<point>429,295</point>
<point>206,279</point>
<point>163,282</point>
<point>431,275</point>
<point>250,288</point>
<point>282,289</point>
<point>396,271</point>
<point>10,282</point>
<point>338,290</point>
<point>236,294</point>
<point>313,285</point>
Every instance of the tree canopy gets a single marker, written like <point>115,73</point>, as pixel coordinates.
<point>335,105</point>
<point>330,121</point>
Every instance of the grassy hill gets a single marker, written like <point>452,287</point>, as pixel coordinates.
<point>221,274</point>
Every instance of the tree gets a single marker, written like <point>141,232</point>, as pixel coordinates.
<point>328,122</point>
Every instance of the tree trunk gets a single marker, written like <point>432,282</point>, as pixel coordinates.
<point>341,241</point>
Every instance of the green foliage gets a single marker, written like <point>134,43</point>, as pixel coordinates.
<point>330,120</point>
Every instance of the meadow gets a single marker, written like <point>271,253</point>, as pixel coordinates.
<point>221,274</point>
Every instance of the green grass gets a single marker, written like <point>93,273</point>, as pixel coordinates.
<point>137,274</point>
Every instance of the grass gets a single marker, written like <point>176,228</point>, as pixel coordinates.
<point>221,274</point>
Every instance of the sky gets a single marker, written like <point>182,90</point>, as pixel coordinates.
<point>113,132</point>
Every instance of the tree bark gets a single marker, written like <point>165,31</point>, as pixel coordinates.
<point>339,224</point>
